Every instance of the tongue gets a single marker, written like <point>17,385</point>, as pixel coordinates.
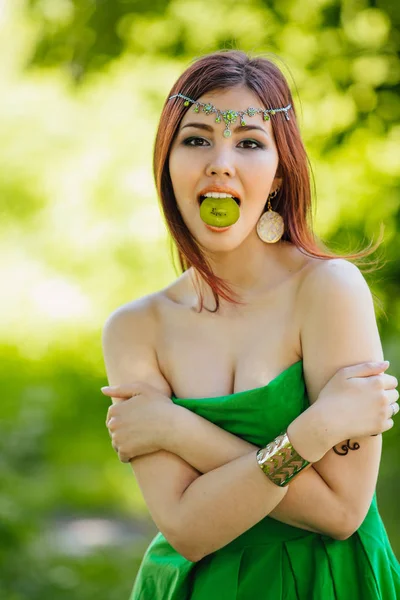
<point>219,212</point>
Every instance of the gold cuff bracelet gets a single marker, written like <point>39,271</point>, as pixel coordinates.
<point>280,461</point>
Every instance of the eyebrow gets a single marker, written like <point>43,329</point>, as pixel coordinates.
<point>206,127</point>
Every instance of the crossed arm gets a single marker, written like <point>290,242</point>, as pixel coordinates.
<point>316,500</point>
<point>207,488</point>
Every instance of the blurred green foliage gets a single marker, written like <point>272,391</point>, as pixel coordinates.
<point>81,85</point>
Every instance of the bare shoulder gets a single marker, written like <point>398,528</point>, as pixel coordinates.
<point>336,267</point>
<point>129,343</point>
<point>336,276</point>
<point>130,322</point>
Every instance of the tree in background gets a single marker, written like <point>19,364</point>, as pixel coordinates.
<point>81,85</point>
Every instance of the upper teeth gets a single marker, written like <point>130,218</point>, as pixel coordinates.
<point>218,195</point>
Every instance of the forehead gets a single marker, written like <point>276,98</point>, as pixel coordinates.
<point>234,98</point>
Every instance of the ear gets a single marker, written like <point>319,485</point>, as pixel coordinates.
<point>277,183</point>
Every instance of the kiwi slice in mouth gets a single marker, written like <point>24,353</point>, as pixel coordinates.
<point>202,198</point>
<point>219,212</point>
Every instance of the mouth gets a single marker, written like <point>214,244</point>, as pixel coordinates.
<point>219,209</point>
<point>218,229</point>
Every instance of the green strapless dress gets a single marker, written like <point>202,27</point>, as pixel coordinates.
<point>272,560</point>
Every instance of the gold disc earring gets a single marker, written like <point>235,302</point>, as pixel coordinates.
<point>270,226</point>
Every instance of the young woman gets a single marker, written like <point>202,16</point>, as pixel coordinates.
<point>250,394</point>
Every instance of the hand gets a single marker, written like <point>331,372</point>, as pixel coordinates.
<point>359,400</point>
<point>137,423</point>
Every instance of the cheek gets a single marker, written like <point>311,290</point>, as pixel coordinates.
<point>259,161</point>
<point>173,167</point>
<point>182,183</point>
<point>259,172</point>
<point>184,169</point>
<point>181,168</point>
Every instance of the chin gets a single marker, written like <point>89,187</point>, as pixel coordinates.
<point>219,242</point>
<point>216,240</point>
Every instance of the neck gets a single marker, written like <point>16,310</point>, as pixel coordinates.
<point>250,270</point>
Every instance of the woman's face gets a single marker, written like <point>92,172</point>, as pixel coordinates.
<point>203,160</point>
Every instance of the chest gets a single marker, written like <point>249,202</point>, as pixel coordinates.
<point>204,355</point>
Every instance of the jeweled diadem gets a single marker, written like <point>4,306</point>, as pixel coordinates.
<point>230,116</point>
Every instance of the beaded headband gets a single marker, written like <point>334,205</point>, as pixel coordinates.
<point>230,116</point>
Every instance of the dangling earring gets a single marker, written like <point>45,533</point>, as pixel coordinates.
<point>270,226</point>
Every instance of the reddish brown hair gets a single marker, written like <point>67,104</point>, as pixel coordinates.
<point>225,69</point>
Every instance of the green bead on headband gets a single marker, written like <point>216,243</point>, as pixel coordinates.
<point>230,116</point>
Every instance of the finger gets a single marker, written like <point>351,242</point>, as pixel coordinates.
<point>117,392</point>
<point>108,428</point>
<point>114,393</point>
<point>393,410</point>
<point>389,425</point>
<point>389,381</point>
<point>124,390</point>
<point>111,423</point>
<point>123,457</point>
<point>366,369</point>
<point>392,395</point>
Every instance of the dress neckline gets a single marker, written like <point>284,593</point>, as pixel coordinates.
<point>251,390</point>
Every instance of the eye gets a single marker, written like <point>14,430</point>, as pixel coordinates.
<point>251,144</point>
<point>195,141</point>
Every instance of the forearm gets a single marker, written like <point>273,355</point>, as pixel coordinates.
<point>222,504</point>
<point>201,443</point>
<point>309,504</point>
<point>225,502</point>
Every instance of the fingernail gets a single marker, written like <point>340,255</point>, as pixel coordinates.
<point>106,387</point>
<point>384,363</point>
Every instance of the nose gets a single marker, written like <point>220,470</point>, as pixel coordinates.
<point>221,163</point>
